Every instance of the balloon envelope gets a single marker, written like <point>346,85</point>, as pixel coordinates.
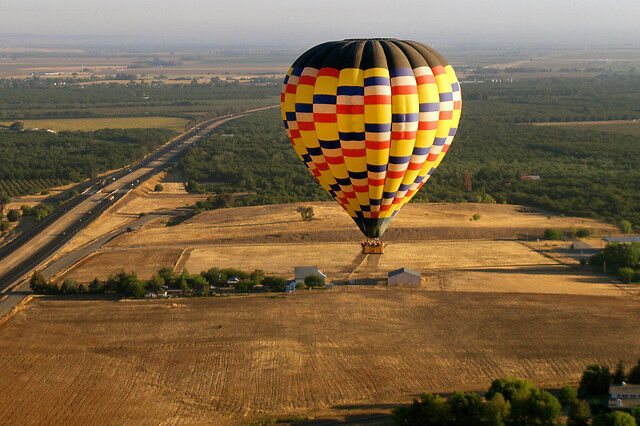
<point>371,119</point>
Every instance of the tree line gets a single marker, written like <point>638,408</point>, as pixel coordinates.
<point>512,401</point>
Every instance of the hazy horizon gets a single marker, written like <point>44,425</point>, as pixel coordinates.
<point>279,23</point>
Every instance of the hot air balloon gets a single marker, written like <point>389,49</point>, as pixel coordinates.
<point>372,120</point>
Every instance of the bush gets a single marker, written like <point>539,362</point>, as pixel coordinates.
<point>70,286</point>
<point>4,226</point>
<point>13,215</point>
<point>625,226</point>
<point>552,234</point>
<point>198,285</point>
<point>274,283</point>
<point>626,275</point>
<point>579,413</point>
<point>635,412</point>
<point>594,382</point>
<point>428,410</point>
<point>96,287</point>
<point>538,407</point>
<point>476,216</point>
<point>158,188</point>
<point>244,286</point>
<point>634,374</point>
<point>306,213</point>
<point>256,276</point>
<point>567,395</point>
<point>508,387</point>
<point>615,418</point>
<point>155,284</point>
<point>584,232</point>
<point>314,281</point>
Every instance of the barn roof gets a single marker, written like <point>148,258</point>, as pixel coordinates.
<point>625,239</point>
<point>404,270</point>
<point>307,270</point>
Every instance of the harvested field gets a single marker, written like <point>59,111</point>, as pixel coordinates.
<point>89,124</point>
<point>316,353</point>
<point>339,259</point>
<point>144,262</point>
<point>416,222</point>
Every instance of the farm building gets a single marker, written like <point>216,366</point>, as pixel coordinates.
<point>232,281</point>
<point>404,276</point>
<point>624,396</point>
<point>302,272</point>
<point>625,239</point>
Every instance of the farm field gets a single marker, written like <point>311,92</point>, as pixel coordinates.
<point>470,256</point>
<point>90,124</point>
<point>315,353</point>
<point>630,127</point>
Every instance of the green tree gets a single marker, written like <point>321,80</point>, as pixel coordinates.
<point>496,411</point>
<point>634,374</point>
<point>198,285</point>
<point>626,275</point>
<point>465,408</point>
<point>635,412</point>
<point>508,387</point>
<point>579,413</point>
<point>428,410</point>
<point>567,395</point>
<point>618,375</point>
<point>17,126</point>
<point>168,276</point>
<point>37,283</point>
<point>155,283</point>
<point>314,281</point>
<point>625,226</point>
<point>158,188</point>
<point>274,283</point>
<point>256,276</point>
<point>96,286</point>
<point>13,215</point>
<point>536,407</point>
<point>594,382</point>
<point>552,234</point>
<point>615,418</point>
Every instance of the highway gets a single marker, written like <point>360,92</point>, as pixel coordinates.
<point>30,250</point>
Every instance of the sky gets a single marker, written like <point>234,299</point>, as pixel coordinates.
<point>291,23</point>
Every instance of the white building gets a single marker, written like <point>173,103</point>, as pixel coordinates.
<point>404,276</point>
<point>624,396</point>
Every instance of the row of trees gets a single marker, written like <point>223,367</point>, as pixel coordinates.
<point>73,156</point>
<point>511,401</point>
<point>129,285</point>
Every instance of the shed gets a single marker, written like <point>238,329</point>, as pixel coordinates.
<point>232,281</point>
<point>404,276</point>
<point>302,272</point>
<point>290,287</point>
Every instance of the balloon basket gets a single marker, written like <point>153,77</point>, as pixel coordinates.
<point>372,247</point>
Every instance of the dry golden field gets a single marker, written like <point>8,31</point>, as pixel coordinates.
<point>316,353</point>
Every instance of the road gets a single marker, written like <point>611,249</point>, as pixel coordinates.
<point>32,252</point>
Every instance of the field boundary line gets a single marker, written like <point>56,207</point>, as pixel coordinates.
<point>16,308</point>
<point>65,271</point>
